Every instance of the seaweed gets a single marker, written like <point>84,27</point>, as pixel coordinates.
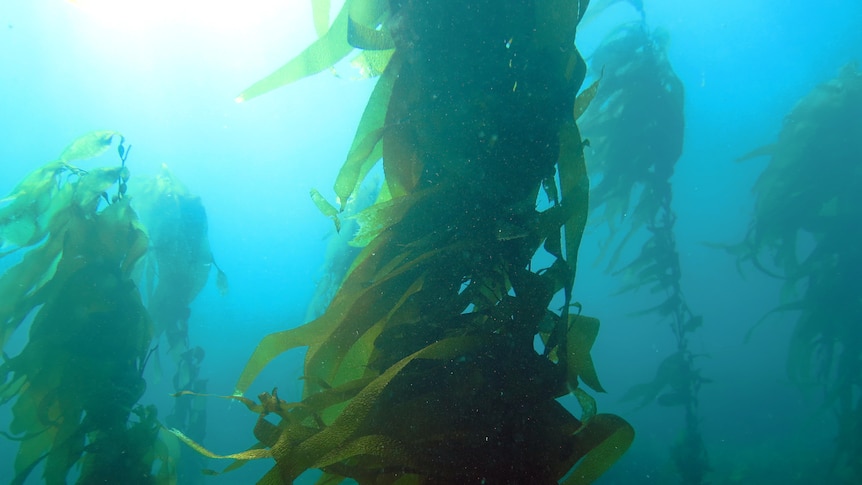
<point>176,268</point>
<point>423,368</point>
<point>77,381</point>
<point>805,232</point>
<point>180,260</point>
<point>635,124</point>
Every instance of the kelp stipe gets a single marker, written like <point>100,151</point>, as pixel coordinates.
<point>76,383</point>
<point>635,126</point>
<point>808,197</point>
<point>423,368</point>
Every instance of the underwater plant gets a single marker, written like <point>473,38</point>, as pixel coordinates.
<point>180,260</point>
<point>424,368</point>
<point>78,379</point>
<point>635,126</point>
<point>340,250</point>
<point>176,268</point>
<point>805,231</point>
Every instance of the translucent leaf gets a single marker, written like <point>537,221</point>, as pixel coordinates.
<point>87,146</point>
<point>320,13</point>
<point>319,56</point>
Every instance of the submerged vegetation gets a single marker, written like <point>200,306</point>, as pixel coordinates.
<point>175,270</point>
<point>635,127</point>
<point>445,335</point>
<point>77,382</point>
<point>806,232</point>
<point>424,367</point>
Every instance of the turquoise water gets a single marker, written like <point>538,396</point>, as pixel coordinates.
<point>166,75</point>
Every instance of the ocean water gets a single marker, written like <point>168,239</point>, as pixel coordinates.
<point>165,74</point>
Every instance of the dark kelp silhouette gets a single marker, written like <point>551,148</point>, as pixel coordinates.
<point>423,367</point>
<point>635,127</point>
<point>176,268</point>
<point>77,381</point>
<point>806,231</point>
<point>180,260</point>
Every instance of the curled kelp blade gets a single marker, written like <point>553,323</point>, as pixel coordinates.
<point>365,150</point>
<point>607,437</point>
<point>89,145</point>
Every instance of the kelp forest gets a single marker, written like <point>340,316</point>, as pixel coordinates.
<point>450,340</point>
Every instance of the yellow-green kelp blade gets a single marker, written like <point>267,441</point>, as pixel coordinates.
<point>319,56</point>
<point>89,145</point>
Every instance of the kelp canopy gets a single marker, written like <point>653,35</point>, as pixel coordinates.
<point>423,369</point>
<point>806,232</point>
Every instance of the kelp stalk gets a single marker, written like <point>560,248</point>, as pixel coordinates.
<point>423,367</point>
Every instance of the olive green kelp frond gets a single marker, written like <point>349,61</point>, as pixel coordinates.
<point>79,376</point>
<point>423,368</point>
<point>806,232</point>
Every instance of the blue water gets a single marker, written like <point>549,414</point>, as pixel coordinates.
<point>166,76</point>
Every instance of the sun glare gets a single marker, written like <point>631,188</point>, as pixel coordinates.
<point>149,14</point>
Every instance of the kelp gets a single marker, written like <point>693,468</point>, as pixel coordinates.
<point>639,99</point>
<point>423,367</point>
<point>635,125</point>
<point>805,232</point>
<point>355,18</point>
<point>180,260</point>
<point>342,247</point>
<point>176,268</point>
<point>77,381</point>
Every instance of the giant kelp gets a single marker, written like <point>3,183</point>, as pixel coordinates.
<point>641,100</point>
<point>180,259</point>
<point>805,231</point>
<point>176,268</point>
<point>423,369</point>
<point>77,381</point>
<point>635,126</point>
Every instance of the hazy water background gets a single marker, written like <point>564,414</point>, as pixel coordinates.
<point>165,75</point>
